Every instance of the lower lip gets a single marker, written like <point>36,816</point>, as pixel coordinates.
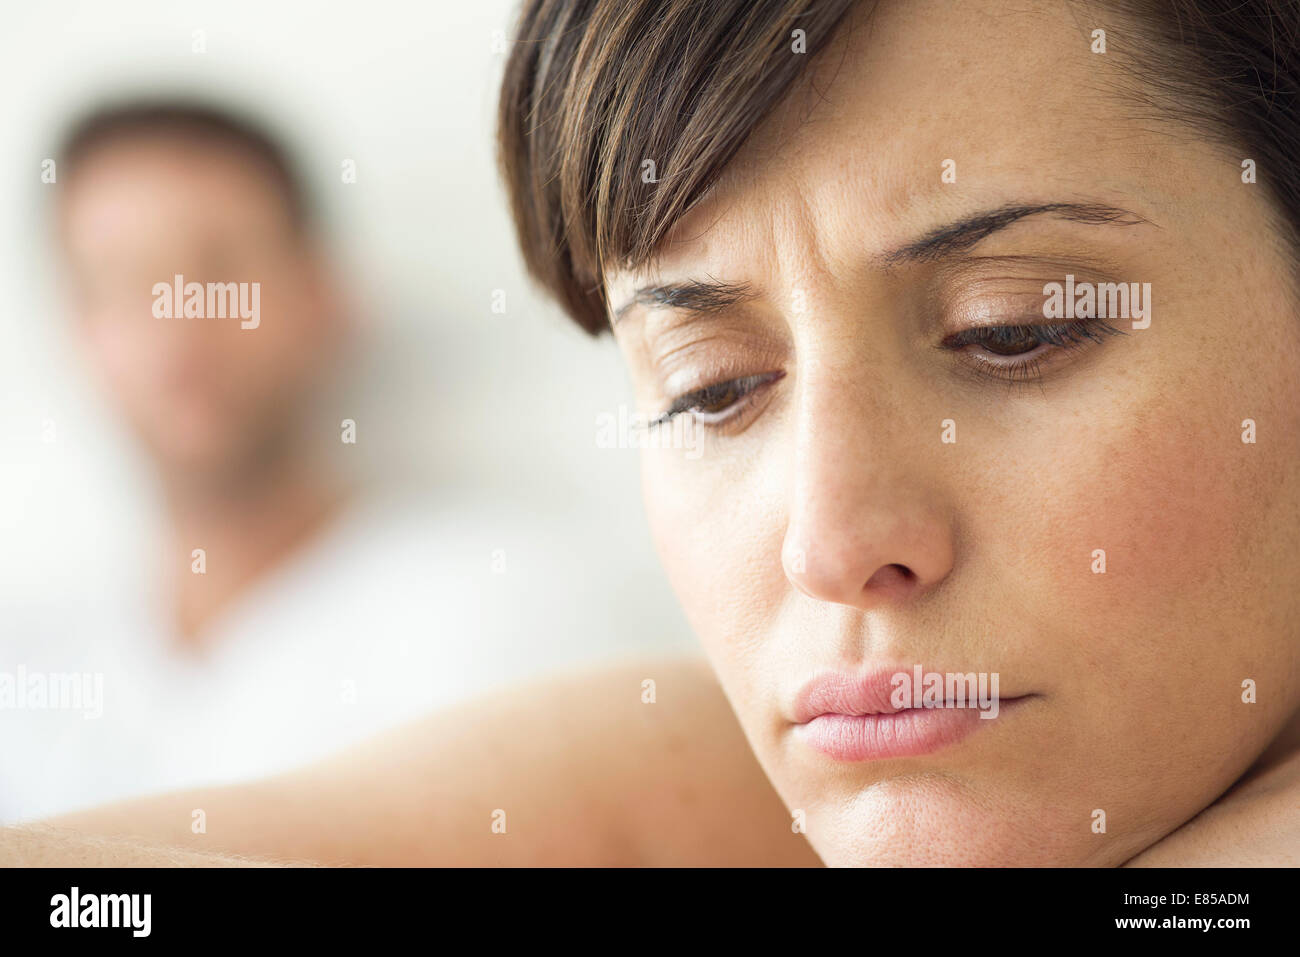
<point>903,734</point>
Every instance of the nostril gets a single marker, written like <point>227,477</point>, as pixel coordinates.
<point>893,574</point>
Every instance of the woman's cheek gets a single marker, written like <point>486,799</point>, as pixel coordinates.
<point>1156,542</point>
<point>717,528</point>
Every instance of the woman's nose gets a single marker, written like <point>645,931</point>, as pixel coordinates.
<point>868,523</point>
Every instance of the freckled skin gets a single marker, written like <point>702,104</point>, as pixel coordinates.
<point>1133,447</point>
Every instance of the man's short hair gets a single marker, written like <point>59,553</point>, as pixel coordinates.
<point>192,122</point>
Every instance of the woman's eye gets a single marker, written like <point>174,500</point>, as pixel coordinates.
<point>717,403</point>
<point>1017,352</point>
<point>1007,352</point>
<point>1011,341</point>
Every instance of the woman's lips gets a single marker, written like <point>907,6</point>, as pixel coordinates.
<point>865,737</point>
<point>851,718</point>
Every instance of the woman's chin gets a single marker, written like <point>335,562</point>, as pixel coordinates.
<point>931,821</point>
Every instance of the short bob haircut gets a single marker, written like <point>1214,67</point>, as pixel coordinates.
<point>593,89</point>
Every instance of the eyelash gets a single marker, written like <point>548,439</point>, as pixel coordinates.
<point>1015,368</point>
<point>1063,336</point>
<point>691,402</point>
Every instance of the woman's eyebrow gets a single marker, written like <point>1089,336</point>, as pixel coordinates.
<point>960,236</point>
<point>702,297</point>
<point>697,296</point>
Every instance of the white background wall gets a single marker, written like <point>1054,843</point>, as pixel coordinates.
<point>452,399</point>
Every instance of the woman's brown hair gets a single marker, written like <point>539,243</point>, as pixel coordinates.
<point>616,116</point>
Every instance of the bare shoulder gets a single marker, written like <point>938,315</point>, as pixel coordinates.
<point>641,763</point>
<point>44,846</point>
<point>1255,824</point>
<point>637,763</point>
<point>685,775</point>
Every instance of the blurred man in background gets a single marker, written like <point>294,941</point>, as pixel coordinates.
<point>289,616</point>
<point>223,407</point>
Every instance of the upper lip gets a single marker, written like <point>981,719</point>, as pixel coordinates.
<point>849,694</point>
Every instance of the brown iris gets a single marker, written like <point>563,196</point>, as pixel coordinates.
<point>721,397</point>
<point>1012,342</point>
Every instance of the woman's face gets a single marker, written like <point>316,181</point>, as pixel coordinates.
<point>884,489</point>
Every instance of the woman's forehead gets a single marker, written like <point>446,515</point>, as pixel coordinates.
<point>913,118</point>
